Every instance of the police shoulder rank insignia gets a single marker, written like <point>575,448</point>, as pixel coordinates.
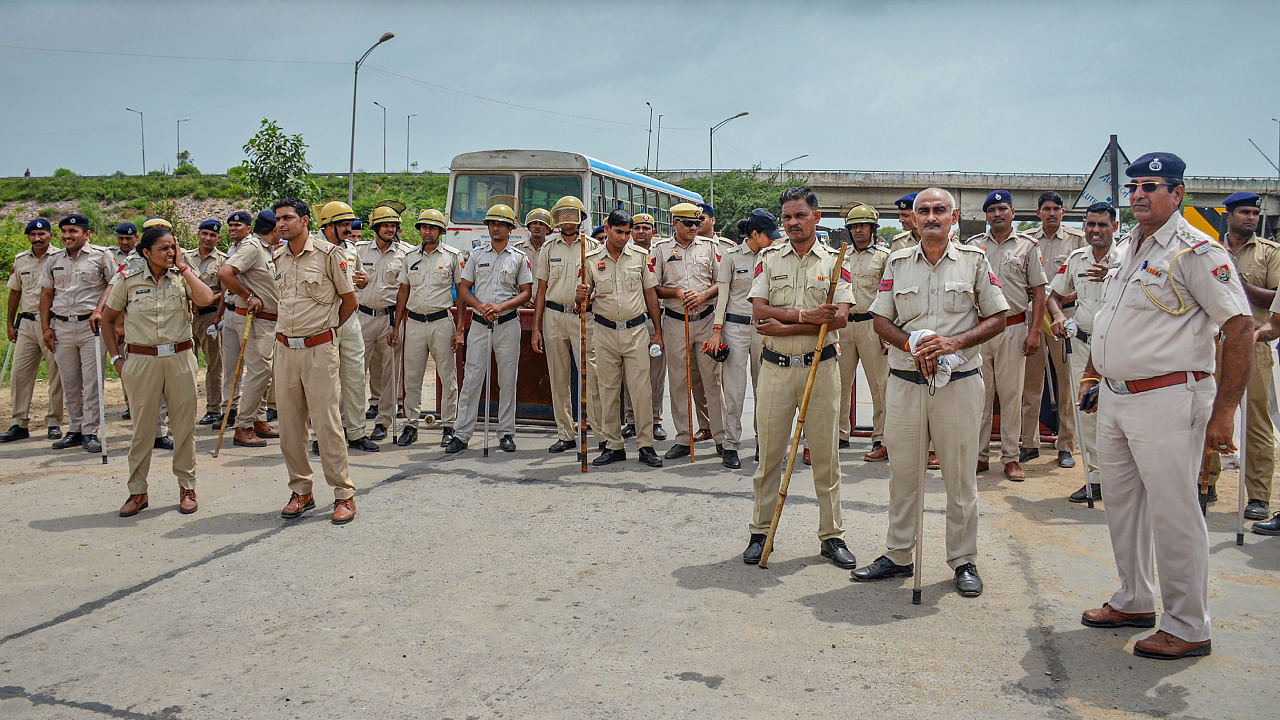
<point>717,257</point>
<point>1222,273</point>
<point>759,269</point>
<point>845,275</point>
<point>885,285</point>
<point>994,280</point>
<point>1062,270</point>
<point>653,264</point>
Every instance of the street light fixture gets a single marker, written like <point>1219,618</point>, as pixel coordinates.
<point>711,144</point>
<point>178,159</point>
<point>798,157</point>
<point>406,139</point>
<point>142,123</point>
<point>649,144</point>
<point>351,169</point>
<point>384,135</point>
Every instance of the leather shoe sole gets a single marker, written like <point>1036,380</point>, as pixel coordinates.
<point>968,582</point>
<point>1152,647</point>
<point>311,504</point>
<point>882,569</point>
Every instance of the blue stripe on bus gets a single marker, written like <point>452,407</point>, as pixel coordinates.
<point>644,179</point>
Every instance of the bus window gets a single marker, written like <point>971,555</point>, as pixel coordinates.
<point>623,202</point>
<point>471,195</point>
<point>637,199</point>
<point>664,214</point>
<point>542,191</point>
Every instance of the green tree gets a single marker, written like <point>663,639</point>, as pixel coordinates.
<point>276,166</point>
<point>738,192</point>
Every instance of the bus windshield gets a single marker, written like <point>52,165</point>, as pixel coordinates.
<point>542,191</point>
<point>471,195</point>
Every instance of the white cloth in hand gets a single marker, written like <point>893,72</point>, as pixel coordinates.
<point>941,374</point>
<point>212,330</point>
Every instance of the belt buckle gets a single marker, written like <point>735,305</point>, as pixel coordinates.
<point>795,361</point>
<point>166,350</point>
<point>297,343</point>
<point>1117,387</point>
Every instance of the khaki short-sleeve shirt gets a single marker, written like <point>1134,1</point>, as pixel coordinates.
<point>736,270</point>
<point>787,279</point>
<point>866,266</point>
<point>685,268</point>
<point>257,272</point>
<point>431,277</point>
<point>1073,277</point>
<point>207,267</point>
<point>1258,262</point>
<point>560,266</point>
<point>903,240</point>
<point>1017,265</point>
<point>310,284</point>
<point>497,276</point>
<point>155,309</point>
<point>1055,248</point>
<point>24,277</point>
<point>78,282</point>
<point>620,284</point>
<point>383,268</point>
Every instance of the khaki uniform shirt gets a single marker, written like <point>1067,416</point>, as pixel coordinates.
<point>207,268</point>
<point>1258,262</point>
<point>685,268</point>
<point>120,257</point>
<point>497,276</point>
<point>155,310</point>
<point>1162,304</point>
<point>866,267</point>
<point>737,270</point>
<point>789,280</point>
<point>1055,248</point>
<point>257,272</point>
<point>619,284</point>
<point>132,261</point>
<point>78,283</point>
<point>531,252</point>
<point>383,270</point>
<point>310,285</point>
<point>431,277</point>
<point>1073,277</point>
<point>1017,266</point>
<point>948,298</point>
<point>24,277</point>
<point>559,266</point>
<point>903,239</point>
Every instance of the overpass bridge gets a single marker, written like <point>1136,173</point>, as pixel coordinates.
<point>838,190</point>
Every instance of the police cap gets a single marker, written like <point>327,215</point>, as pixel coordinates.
<point>265,223</point>
<point>706,208</point>
<point>906,202</point>
<point>1157,164</point>
<point>997,196</point>
<point>75,219</point>
<point>764,221</point>
<point>126,228</point>
<point>37,224</point>
<point>213,225</point>
<point>1242,199</point>
<point>240,216</point>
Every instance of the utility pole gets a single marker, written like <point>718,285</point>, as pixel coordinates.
<point>649,144</point>
<point>711,143</point>
<point>351,169</point>
<point>178,160</point>
<point>142,123</point>
<point>384,135</point>
<point>658,150</point>
<point>406,139</point>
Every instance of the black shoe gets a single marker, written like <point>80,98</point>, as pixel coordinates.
<point>408,436</point>
<point>730,459</point>
<point>838,552</point>
<point>210,418</point>
<point>364,444</point>
<point>650,458</point>
<point>54,433</point>
<point>445,436</point>
<point>71,439</point>
<point>629,430</point>
<point>231,418</point>
<point>757,457</point>
<point>1212,495</point>
<point>315,447</point>
<point>1065,460</point>
<point>163,443</point>
<point>92,445</point>
<point>126,415</point>
<point>677,451</point>
<point>272,415</point>
<point>968,583</point>
<point>720,449</point>
<point>602,446</point>
<point>610,456</point>
<point>845,445</point>
<point>507,444</point>
<point>1080,497</point>
<point>15,433</point>
<point>371,413</point>
<point>379,432</point>
<point>560,446</point>
<point>399,411</point>
<point>658,432</point>
<point>456,445</point>
<point>1268,527</point>
<point>882,569</point>
<point>1025,454</point>
<point>755,548</point>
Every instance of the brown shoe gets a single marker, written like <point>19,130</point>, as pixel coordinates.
<point>933,461</point>
<point>983,466</point>
<point>1014,471</point>
<point>263,430</point>
<point>344,511</point>
<point>1163,646</point>
<point>298,504</point>
<point>245,437</point>
<point>134,505</point>
<point>1109,617</point>
<point>702,435</point>
<point>187,501</point>
<point>808,458</point>
<point>879,454</point>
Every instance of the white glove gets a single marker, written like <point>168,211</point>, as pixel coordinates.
<point>212,330</point>
<point>1069,328</point>
<point>942,374</point>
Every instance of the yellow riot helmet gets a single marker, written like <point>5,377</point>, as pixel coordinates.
<point>383,214</point>
<point>538,215</point>
<point>333,212</point>
<point>431,217</point>
<point>501,213</point>
<point>686,210</point>
<point>862,213</point>
<point>568,204</point>
<point>639,218</point>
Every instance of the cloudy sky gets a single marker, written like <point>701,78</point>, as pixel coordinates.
<point>908,85</point>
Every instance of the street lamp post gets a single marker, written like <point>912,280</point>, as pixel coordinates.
<point>406,139</point>
<point>648,145</point>
<point>143,125</point>
<point>711,144</point>
<point>798,157</point>
<point>351,168</point>
<point>384,135</point>
<point>178,159</point>
<point>658,149</point>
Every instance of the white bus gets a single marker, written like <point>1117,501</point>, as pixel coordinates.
<point>538,178</point>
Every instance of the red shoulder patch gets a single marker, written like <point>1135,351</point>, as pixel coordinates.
<point>886,285</point>
<point>653,264</point>
<point>994,281</point>
<point>845,275</point>
<point>600,265</point>
<point>759,269</point>
<point>1062,270</point>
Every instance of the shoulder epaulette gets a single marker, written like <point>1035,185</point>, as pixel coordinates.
<point>133,271</point>
<point>1073,230</point>
<point>448,248</point>
<point>1080,251</point>
<point>965,248</point>
<point>974,238</point>
<point>1193,238</point>
<point>325,246</point>
<point>1269,243</point>
<point>24,253</point>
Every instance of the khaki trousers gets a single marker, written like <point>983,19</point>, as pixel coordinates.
<point>701,413</point>
<point>230,336</point>
<point>1149,481</point>
<point>212,349</point>
<point>673,336</point>
<point>859,342</point>
<point>1051,349</point>
<point>78,369</point>
<point>1002,374</point>
<point>434,339</point>
<point>1259,433</point>
<point>29,349</point>
<point>152,380</point>
<point>307,385</point>
<point>622,359</point>
<point>349,337</point>
<point>777,406</point>
<point>380,364</point>
<point>742,364</point>
<point>505,345</point>
<point>561,336</point>
<point>255,374</point>
<point>950,415</point>
<point>657,384</point>
<point>1087,431</point>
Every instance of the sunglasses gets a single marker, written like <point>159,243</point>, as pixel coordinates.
<point>688,223</point>
<point>1147,187</point>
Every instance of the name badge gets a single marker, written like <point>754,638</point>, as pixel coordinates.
<point>779,277</point>
<point>142,291</point>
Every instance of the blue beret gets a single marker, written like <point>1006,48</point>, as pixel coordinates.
<point>265,223</point>
<point>997,196</point>
<point>74,219</point>
<point>357,225</point>
<point>38,224</point>
<point>1242,199</point>
<point>906,202</point>
<point>706,208</point>
<point>597,230</point>
<point>240,216</point>
<point>213,225</point>
<point>1157,164</point>
<point>126,228</point>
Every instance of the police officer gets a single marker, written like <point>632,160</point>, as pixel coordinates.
<point>496,280</point>
<point>642,229</point>
<point>558,333</point>
<point>789,300</point>
<point>152,301</point>
<point>29,348</point>
<point>316,296</point>
<point>381,262</point>
<point>1020,274</point>
<point>427,281</point>
<point>620,288</point>
<point>206,320</point>
<point>734,327</point>
<point>1171,289</point>
<point>71,283</point>
<point>538,221</point>
<point>686,272</point>
<point>249,276</point>
<point>126,241</point>
<point>1073,284</point>
<point>239,226</point>
<point>938,302</point>
<point>910,234</point>
<point>707,229</point>
<point>1055,242</point>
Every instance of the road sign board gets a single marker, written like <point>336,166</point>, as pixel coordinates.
<point>1098,187</point>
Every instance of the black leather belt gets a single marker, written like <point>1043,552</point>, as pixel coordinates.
<point>77,318</point>
<point>380,311</point>
<point>24,316</point>
<point>429,317</point>
<point>912,376</point>
<point>805,360</point>
<point>562,308</point>
<point>501,318</point>
<point>735,318</point>
<point>680,316</point>
<point>633,322</point>
<point>207,309</point>
<point>1083,336</point>
<point>1069,305</point>
<point>860,317</point>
